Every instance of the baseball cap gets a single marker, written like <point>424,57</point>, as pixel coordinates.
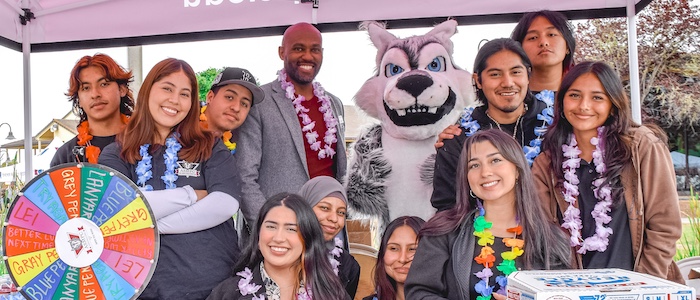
<point>242,77</point>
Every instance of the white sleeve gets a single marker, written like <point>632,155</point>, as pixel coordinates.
<point>166,202</point>
<point>212,210</point>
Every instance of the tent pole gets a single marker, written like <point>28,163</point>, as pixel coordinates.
<point>26,51</point>
<point>634,62</point>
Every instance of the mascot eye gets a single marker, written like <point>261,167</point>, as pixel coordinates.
<point>437,65</point>
<point>392,69</point>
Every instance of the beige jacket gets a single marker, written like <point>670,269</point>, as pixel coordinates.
<point>649,182</point>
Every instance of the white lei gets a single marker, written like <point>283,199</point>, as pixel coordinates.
<point>308,128</point>
<point>334,255</point>
<point>572,215</point>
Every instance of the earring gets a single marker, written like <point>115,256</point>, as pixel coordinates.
<point>471,193</point>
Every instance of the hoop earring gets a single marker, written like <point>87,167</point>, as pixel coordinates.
<point>471,193</point>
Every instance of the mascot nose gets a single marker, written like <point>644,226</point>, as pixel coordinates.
<point>414,84</point>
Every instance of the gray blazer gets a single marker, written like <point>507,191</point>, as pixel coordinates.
<point>270,149</point>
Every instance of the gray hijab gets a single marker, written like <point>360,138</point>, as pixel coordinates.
<point>321,187</point>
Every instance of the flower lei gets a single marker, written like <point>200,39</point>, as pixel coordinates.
<point>245,285</point>
<point>143,168</point>
<point>572,218</point>
<point>335,254</point>
<point>486,257</point>
<point>330,120</point>
<point>226,136</point>
<point>471,126</point>
<point>84,138</point>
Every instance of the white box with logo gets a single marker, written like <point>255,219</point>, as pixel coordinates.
<point>594,284</point>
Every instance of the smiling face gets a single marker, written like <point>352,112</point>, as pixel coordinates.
<point>491,177</point>
<point>544,44</point>
<point>504,82</point>
<point>228,107</point>
<point>170,101</point>
<point>280,242</point>
<point>302,53</point>
<point>99,97</point>
<point>586,106</point>
<point>331,212</point>
<point>400,250</point>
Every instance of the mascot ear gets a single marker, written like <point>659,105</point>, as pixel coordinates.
<point>381,38</point>
<point>443,32</point>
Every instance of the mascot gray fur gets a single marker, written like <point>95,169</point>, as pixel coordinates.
<point>416,92</point>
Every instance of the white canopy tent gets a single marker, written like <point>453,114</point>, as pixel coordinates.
<point>51,25</point>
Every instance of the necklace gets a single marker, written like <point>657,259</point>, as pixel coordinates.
<point>311,135</point>
<point>572,215</point>
<point>515,129</point>
<point>531,150</point>
<point>84,138</point>
<point>225,137</point>
<point>487,259</point>
<point>143,167</point>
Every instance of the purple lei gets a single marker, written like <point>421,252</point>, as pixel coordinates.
<point>245,285</point>
<point>325,150</point>
<point>572,215</point>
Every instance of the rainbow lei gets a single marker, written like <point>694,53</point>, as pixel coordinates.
<point>311,135</point>
<point>143,167</point>
<point>471,126</point>
<point>487,259</point>
<point>572,215</point>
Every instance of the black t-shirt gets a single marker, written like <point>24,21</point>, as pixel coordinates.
<point>71,152</point>
<point>447,158</point>
<point>190,265</point>
<point>619,251</point>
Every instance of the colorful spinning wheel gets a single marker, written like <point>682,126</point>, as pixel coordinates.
<point>80,231</point>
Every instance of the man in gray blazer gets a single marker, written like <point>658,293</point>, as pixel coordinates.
<point>297,133</point>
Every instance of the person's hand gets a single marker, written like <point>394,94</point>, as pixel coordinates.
<point>498,296</point>
<point>447,134</point>
<point>201,194</point>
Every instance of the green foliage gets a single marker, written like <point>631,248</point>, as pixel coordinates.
<point>690,240</point>
<point>204,80</point>
<point>669,64</point>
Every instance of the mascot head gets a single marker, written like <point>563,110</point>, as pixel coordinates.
<point>417,90</point>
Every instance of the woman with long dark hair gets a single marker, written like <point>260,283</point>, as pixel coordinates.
<point>329,202</point>
<point>616,193</point>
<point>399,243</point>
<point>189,179</point>
<point>496,227</point>
<point>286,257</point>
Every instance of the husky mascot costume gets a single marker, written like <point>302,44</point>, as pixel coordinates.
<point>416,92</point>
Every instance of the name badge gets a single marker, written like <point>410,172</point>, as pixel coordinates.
<point>187,169</point>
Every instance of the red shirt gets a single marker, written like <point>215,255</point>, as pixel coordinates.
<point>316,166</point>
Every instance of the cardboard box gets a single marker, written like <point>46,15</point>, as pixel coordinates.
<point>594,284</point>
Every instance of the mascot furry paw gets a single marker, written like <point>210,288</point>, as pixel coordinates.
<point>416,92</point>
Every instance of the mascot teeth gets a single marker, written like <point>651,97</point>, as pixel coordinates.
<point>417,109</point>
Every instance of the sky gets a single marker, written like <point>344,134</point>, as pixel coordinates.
<point>348,61</point>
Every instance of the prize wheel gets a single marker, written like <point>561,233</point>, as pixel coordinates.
<point>80,231</point>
